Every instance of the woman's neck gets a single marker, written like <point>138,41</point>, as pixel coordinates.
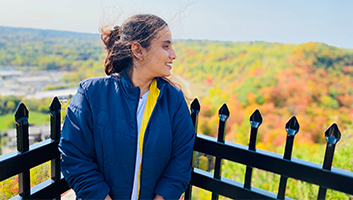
<point>137,79</point>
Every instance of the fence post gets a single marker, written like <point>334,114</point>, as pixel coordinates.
<point>223,116</point>
<point>332,135</point>
<point>292,128</point>
<point>55,125</point>
<point>255,121</point>
<point>21,118</point>
<point>195,109</point>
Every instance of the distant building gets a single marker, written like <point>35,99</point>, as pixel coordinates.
<point>62,94</point>
<point>27,83</point>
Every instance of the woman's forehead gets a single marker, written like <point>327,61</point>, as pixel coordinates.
<point>164,35</point>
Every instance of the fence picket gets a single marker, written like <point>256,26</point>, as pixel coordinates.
<point>332,135</point>
<point>21,117</point>
<point>292,128</point>
<point>55,125</point>
<point>255,121</point>
<point>223,116</point>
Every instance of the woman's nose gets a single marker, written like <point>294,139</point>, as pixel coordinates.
<point>173,55</point>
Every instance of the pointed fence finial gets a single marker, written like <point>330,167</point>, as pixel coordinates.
<point>55,106</point>
<point>223,112</point>
<point>332,134</point>
<point>292,126</point>
<point>256,119</point>
<point>195,106</point>
<point>195,109</point>
<point>21,114</point>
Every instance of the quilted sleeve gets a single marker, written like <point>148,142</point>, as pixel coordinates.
<point>78,163</point>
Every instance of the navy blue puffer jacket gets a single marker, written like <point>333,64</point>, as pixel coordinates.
<point>99,141</point>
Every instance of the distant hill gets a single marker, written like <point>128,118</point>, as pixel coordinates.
<point>313,81</point>
<point>47,49</point>
<point>37,35</point>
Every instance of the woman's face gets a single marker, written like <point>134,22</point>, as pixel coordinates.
<point>160,55</point>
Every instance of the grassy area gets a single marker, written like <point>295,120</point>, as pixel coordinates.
<point>8,121</point>
<point>38,118</point>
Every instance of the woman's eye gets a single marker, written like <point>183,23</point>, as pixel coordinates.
<point>166,46</point>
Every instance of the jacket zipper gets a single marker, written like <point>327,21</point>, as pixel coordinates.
<point>137,143</point>
<point>143,143</point>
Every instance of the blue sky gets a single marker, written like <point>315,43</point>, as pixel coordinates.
<point>234,20</point>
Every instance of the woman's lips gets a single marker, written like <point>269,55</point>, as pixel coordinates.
<point>169,65</point>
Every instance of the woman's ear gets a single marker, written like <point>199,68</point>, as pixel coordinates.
<point>137,49</point>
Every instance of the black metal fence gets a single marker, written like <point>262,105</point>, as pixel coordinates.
<point>27,157</point>
<point>285,166</point>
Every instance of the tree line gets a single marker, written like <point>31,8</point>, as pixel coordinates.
<point>311,80</point>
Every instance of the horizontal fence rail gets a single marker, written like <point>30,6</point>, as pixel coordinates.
<point>326,177</point>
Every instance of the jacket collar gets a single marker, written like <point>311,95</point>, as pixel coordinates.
<point>132,92</point>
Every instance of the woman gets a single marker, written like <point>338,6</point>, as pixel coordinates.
<point>129,135</point>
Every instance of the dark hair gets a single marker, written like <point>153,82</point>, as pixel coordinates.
<point>140,28</point>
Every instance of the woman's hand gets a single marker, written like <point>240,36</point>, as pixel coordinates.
<point>158,197</point>
<point>108,197</point>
